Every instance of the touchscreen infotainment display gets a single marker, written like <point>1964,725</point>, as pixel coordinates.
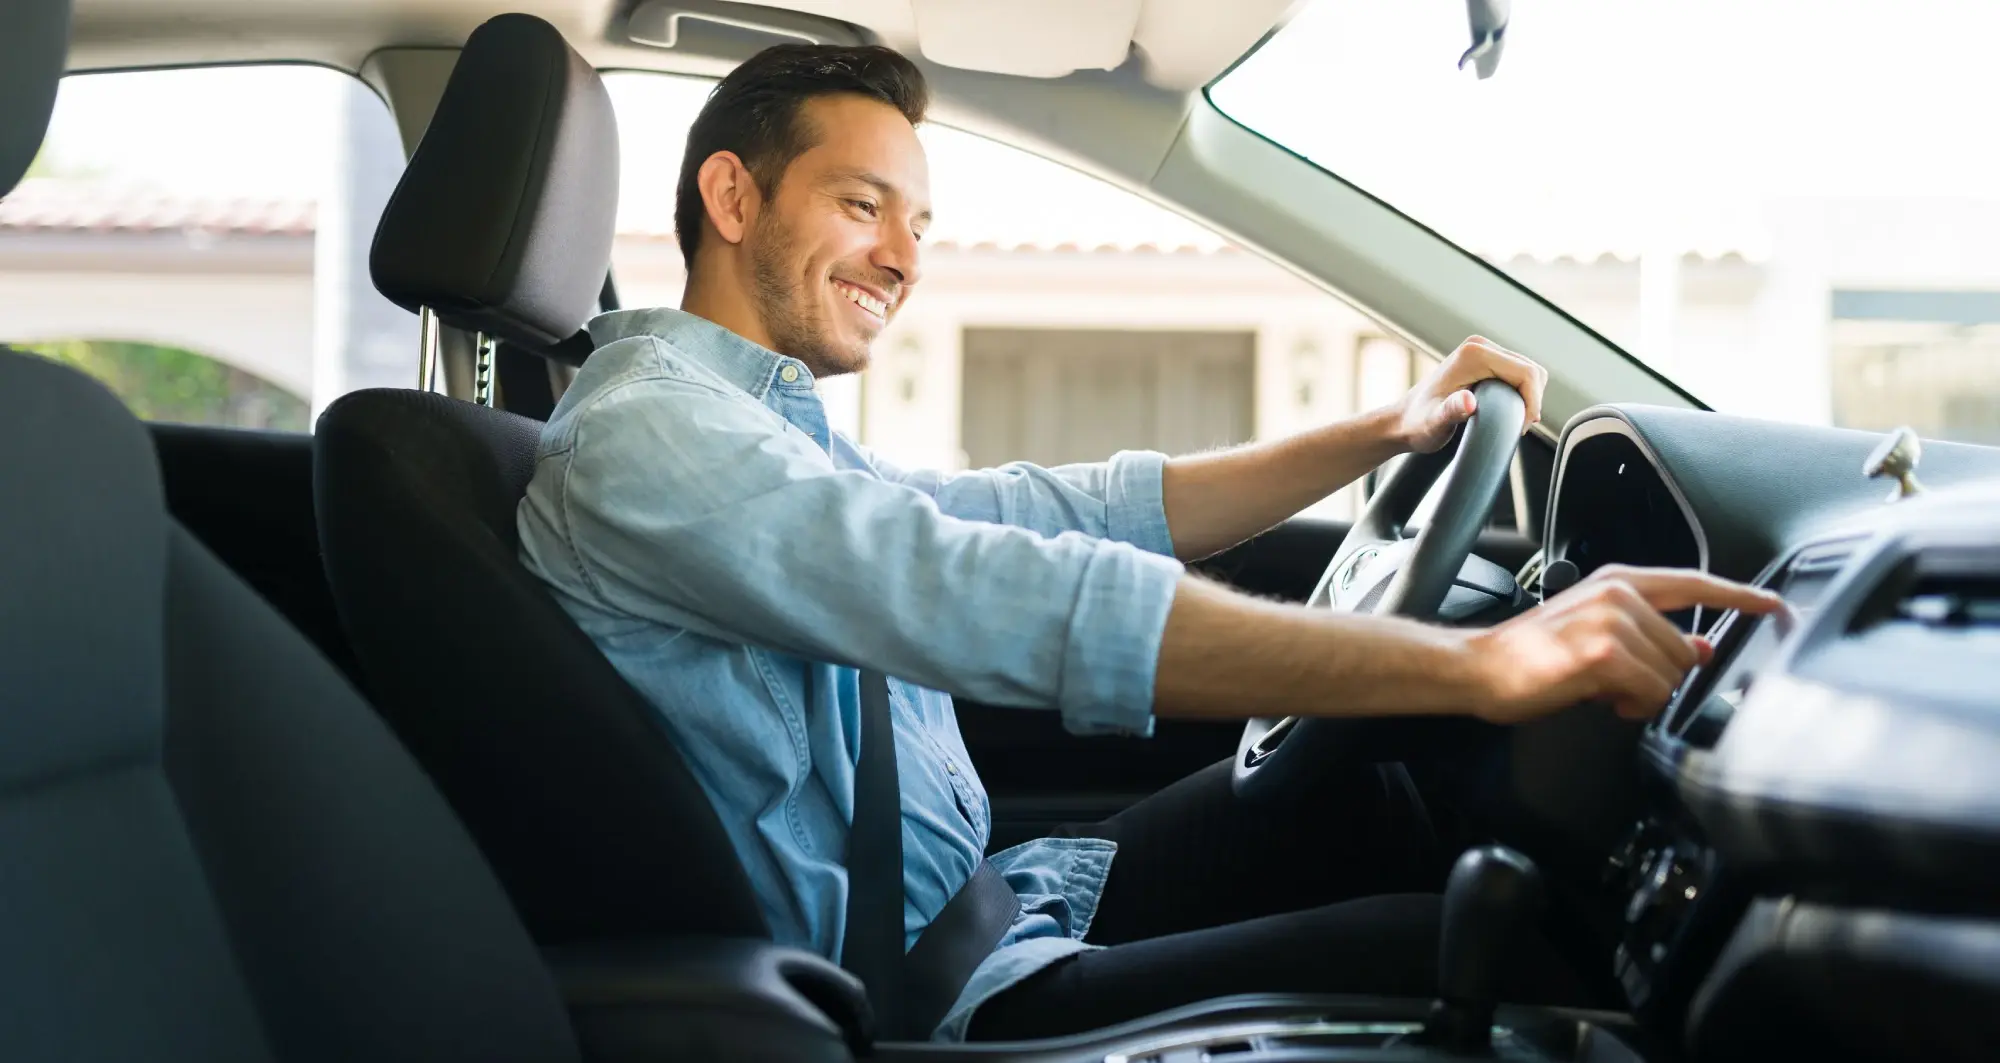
<point>1745,644</point>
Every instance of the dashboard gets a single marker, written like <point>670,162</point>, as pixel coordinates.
<point>1746,645</point>
<point>1814,861</point>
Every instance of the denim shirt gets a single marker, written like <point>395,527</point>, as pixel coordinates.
<point>737,561</point>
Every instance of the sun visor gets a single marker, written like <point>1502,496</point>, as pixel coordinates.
<point>1028,38</point>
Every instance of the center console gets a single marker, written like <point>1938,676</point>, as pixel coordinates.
<point>729,1000</point>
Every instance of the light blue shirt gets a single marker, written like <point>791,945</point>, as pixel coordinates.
<point>737,561</point>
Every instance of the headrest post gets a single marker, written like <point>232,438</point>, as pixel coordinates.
<point>482,370</point>
<point>427,349</point>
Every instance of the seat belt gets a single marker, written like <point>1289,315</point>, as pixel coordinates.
<point>908,993</point>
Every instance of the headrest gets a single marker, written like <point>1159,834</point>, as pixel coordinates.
<point>503,220</point>
<point>34,46</point>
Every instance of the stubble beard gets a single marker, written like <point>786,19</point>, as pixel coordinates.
<point>786,310</point>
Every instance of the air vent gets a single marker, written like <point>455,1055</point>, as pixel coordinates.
<point>1940,589</point>
<point>1959,602</point>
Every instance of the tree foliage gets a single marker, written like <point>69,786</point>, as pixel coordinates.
<point>171,384</point>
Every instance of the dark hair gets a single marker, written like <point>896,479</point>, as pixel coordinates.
<point>754,112</point>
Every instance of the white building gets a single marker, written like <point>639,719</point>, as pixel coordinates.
<point>1144,334</point>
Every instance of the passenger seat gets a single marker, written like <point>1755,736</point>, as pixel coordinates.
<point>210,848</point>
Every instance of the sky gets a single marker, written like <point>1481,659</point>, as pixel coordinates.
<point>1613,123</point>
<point>1631,121</point>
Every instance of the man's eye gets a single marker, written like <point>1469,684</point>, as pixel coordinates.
<point>863,206</point>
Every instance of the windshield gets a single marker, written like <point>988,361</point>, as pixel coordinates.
<point>1792,209</point>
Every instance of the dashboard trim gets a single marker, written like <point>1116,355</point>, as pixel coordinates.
<point>1606,420</point>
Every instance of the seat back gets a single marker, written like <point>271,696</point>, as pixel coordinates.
<point>560,769</point>
<point>558,766</point>
<point>209,848</point>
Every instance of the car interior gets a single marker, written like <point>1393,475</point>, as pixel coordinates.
<point>299,762</point>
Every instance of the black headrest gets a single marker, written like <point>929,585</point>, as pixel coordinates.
<point>34,46</point>
<point>503,220</point>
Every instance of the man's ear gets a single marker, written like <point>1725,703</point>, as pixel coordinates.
<point>728,195</point>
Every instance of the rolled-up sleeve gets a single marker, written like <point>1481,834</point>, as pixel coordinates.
<point>1118,499</point>
<point>689,506</point>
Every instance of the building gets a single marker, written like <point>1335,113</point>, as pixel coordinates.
<point>1140,332</point>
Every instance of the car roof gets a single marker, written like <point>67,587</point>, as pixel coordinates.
<point>1182,44</point>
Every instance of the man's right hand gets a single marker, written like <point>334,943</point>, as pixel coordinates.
<point>1602,640</point>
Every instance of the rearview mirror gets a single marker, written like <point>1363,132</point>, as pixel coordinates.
<point>1488,19</point>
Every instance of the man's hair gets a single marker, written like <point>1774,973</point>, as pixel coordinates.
<point>754,112</point>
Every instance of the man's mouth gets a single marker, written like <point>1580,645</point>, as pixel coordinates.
<point>873,304</point>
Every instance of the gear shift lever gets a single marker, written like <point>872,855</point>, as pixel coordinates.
<point>1493,894</point>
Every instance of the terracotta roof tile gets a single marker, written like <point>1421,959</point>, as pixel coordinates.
<point>57,205</point>
<point>70,205</point>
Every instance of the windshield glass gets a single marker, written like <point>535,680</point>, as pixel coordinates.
<point>1791,207</point>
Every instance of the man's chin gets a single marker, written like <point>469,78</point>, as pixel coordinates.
<point>849,353</point>
<point>851,361</point>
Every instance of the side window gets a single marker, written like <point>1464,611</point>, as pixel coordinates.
<point>1059,319</point>
<point>197,240</point>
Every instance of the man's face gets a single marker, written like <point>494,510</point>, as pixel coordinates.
<point>835,250</point>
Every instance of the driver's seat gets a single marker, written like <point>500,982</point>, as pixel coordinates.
<point>503,223</point>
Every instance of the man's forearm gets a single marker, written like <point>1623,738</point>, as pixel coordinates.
<point>1216,500</point>
<point>1227,655</point>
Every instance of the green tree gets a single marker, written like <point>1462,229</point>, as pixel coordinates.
<point>171,384</point>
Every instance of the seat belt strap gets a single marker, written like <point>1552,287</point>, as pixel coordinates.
<point>909,994</point>
<point>953,946</point>
<point>872,944</point>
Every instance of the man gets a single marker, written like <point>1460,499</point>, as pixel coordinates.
<point>738,562</point>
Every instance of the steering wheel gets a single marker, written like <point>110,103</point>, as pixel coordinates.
<point>1376,570</point>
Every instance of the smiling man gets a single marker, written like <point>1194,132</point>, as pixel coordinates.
<point>750,571</point>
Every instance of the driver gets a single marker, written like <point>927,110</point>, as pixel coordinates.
<point>738,562</point>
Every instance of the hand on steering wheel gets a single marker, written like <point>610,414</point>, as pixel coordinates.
<point>1605,639</point>
<point>1281,755</point>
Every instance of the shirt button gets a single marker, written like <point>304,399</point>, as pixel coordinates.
<point>789,374</point>
<point>951,767</point>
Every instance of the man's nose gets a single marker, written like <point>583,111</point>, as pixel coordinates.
<point>899,254</point>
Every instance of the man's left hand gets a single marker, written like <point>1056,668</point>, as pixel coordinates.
<point>1434,408</point>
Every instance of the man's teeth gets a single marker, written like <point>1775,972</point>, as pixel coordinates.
<point>864,300</point>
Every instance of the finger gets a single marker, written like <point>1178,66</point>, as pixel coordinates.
<point>1635,691</point>
<point>1658,630</point>
<point>1522,374</point>
<point>1637,710</point>
<point>1454,408</point>
<point>1673,589</point>
<point>1650,655</point>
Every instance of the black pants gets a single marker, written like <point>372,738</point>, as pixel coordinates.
<point>1208,897</point>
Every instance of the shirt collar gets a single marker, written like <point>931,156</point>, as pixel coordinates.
<point>753,368</point>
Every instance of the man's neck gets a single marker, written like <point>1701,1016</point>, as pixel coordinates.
<point>727,305</point>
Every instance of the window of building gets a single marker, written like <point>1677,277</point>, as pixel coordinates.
<point>197,239</point>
